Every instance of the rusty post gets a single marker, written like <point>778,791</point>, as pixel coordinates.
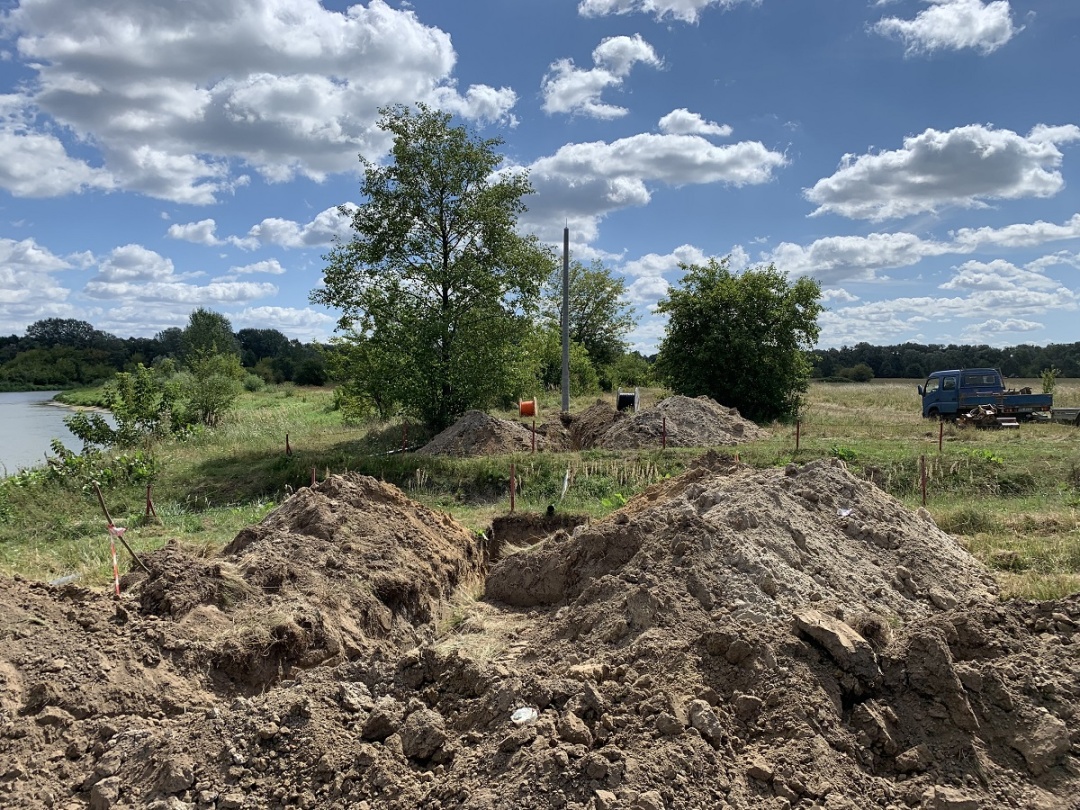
<point>313,476</point>
<point>288,449</point>
<point>663,434</point>
<point>534,435</point>
<point>404,436</point>
<point>940,433</point>
<point>922,477</point>
<point>798,432</point>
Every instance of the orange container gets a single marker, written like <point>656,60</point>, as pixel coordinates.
<point>527,407</point>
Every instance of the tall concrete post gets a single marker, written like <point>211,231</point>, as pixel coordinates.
<point>566,319</point>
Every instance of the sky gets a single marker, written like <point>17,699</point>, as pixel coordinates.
<point>918,158</point>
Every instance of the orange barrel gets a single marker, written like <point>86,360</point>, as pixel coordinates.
<point>527,408</point>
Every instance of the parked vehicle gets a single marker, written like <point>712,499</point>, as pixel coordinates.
<point>948,394</point>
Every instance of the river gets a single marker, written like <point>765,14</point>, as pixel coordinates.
<point>28,424</point>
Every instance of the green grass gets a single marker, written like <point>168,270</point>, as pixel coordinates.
<point>1012,496</point>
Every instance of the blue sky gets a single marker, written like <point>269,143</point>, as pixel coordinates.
<point>920,158</point>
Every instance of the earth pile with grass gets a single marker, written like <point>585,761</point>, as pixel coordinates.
<point>732,638</point>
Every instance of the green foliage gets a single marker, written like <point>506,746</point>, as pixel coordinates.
<point>860,372</point>
<point>631,370</point>
<point>1049,379</point>
<point>540,363</point>
<point>740,338</point>
<point>210,387</point>
<point>600,317</point>
<point>253,382</point>
<point>142,403</point>
<point>435,283</point>
<point>208,333</point>
<point>82,470</point>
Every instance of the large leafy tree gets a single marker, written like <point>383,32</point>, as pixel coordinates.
<point>600,316</point>
<point>208,333</point>
<point>435,281</point>
<point>740,338</point>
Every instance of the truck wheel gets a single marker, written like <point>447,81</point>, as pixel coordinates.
<point>933,414</point>
<point>1076,422</point>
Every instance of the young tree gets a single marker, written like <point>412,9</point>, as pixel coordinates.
<point>600,317</point>
<point>434,284</point>
<point>740,338</point>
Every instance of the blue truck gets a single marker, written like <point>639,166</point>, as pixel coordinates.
<point>957,392</point>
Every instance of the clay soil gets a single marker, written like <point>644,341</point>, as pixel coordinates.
<point>733,638</point>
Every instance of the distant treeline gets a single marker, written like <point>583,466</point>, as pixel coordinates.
<point>916,361</point>
<point>64,353</point>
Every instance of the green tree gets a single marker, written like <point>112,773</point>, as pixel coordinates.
<point>600,317</point>
<point>210,387</point>
<point>434,285</point>
<point>541,356</point>
<point>208,333</point>
<point>141,403</point>
<point>740,338</point>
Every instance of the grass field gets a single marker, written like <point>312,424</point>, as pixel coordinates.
<point>1012,496</point>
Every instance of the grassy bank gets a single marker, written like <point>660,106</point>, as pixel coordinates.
<point>1013,496</point>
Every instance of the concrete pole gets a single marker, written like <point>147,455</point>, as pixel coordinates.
<point>566,320</point>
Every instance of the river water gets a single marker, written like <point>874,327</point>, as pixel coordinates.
<point>28,423</point>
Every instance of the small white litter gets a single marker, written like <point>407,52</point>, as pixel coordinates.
<point>524,716</point>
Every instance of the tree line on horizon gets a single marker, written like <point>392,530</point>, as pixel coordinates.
<point>68,353</point>
<point>916,361</point>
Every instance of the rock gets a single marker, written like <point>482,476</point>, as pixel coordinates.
<point>914,759</point>
<point>383,720</point>
<point>649,800</point>
<point>176,776</point>
<point>105,794</point>
<point>1044,744</point>
<point>572,729</point>
<point>424,734</point>
<point>747,706</point>
<point>231,801</point>
<point>851,651</point>
<point>760,769</point>
<point>941,797</point>
<point>668,725</point>
<point>605,800</point>
<point>704,719</point>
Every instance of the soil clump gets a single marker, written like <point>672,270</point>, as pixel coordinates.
<point>480,434</point>
<point>686,421</point>
<point>733,638</point>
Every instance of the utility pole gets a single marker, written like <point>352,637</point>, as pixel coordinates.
<point>566,319</point>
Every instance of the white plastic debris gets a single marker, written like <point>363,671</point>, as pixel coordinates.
<point>524,716</point>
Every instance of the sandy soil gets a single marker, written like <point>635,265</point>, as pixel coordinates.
<point>733,638</point>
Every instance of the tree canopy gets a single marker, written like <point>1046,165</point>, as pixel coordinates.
<point>600,317</point>
<point>434,285</point>
<point>740,338</point>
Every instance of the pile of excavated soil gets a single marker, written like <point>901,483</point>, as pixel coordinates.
<point>687,422</point>
<point>587,427</point>
<point>479,434</point>
<point>731,639</point>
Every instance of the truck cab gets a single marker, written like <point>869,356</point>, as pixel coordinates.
<point>948,393</point>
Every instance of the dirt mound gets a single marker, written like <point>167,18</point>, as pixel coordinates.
<point>688,422</point>
<point>588,426</point>
<point>479,434</point>
<point>731,639</point>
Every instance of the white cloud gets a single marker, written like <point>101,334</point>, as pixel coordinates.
<point>953,25</point>
<point>961,167</point>
<point>1018,235</point>
<point>133,273</point>
<point>271,266</point>
<point>647,290</point>
<point>327,226</point>
<point>997,275</point>
<point>583,182</point>
<point>568,89</point>
<point>685,10</point>
<point>846,258</point>
<point>994,330</point>
<point>201,232</point>
<point>179,97</point>
<point>305,325</point>
<point>655,264</point>
<point>684,122</point>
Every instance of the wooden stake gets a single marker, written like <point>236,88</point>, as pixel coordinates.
<point>798,431</point>
<point>940,433</point>
<point>108,518</point>
<point>663,434</point>
<point>513,486</point>
<point>534,435</point>
<point>288,449</point>
<point>922,478</point>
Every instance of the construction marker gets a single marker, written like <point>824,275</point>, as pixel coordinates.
<point>114,532</point>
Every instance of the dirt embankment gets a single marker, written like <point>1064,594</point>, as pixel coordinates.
<point>674,422</point>
<point>733,638</point>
